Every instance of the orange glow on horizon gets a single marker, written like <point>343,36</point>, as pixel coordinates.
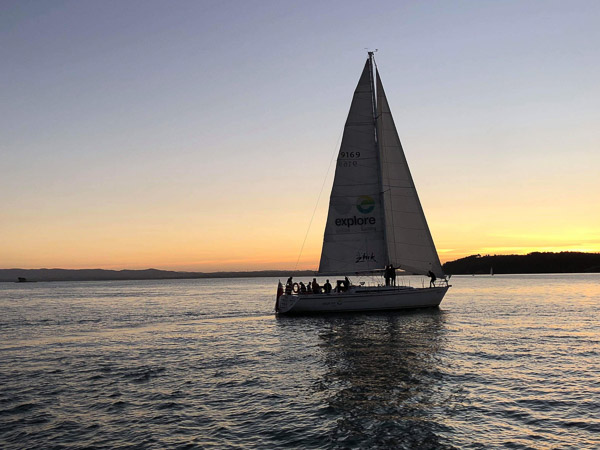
<point>238,235</point>
<point>287,261</point>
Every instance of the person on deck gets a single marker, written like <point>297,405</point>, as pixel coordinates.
<point>346,284</point>
<point>302,288</point>
<point>288,286</point>
<point>386,275</point>
<point>433,278</point>
<point>393,275</point>
<point>327,287</point>
<point>315,286</point>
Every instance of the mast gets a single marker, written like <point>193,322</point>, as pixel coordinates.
<point>378,151</point>
<point>373,96</point>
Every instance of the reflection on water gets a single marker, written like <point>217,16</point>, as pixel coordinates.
<point>383,381</point>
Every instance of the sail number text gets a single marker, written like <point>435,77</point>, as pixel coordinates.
<point>346,156</point>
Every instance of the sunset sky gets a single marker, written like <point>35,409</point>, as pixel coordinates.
<point>196,135</point>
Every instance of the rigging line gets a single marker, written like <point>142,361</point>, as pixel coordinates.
<point>335,151</point>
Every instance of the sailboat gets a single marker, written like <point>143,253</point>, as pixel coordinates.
<point>375,218</point>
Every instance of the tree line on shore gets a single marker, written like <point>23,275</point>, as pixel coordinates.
<point>536,262</point>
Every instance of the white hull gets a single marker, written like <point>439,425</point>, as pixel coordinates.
<point>363,299</point>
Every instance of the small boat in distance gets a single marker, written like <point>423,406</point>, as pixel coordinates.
<point>375,218</point>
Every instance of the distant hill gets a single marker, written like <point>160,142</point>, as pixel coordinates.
<point>563,262</point>
<point>148,274</point>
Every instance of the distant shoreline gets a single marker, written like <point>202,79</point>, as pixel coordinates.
<point>35,275</point>
<point>282,278</point>
<point>533,263</point>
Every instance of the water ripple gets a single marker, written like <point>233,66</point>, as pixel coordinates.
<point>507,362</point>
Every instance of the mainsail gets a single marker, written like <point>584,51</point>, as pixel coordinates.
<point>354,233</point>
<point>375,217</point>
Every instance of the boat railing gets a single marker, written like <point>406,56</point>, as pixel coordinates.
<point>442,282</point>
<point>362,286</point>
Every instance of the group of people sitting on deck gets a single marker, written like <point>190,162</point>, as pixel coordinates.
<point>313,287</point>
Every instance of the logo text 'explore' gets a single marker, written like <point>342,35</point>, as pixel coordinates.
<point>353,221</point>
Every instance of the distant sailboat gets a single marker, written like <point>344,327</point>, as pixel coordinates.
<point>491,271</point>
<point>375,217</point>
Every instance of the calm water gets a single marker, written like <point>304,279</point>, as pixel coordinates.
<point>507,361</point>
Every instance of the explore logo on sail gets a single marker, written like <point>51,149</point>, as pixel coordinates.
<point>355,221</point>
<point>365,204</point>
